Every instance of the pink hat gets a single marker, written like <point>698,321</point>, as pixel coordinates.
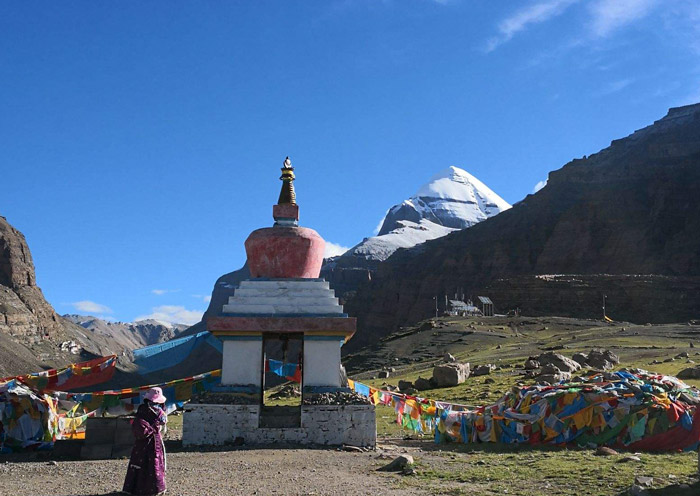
<point>155,395</point>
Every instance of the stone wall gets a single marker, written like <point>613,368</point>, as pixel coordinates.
<point>320,424</point>
<point>107,437</point>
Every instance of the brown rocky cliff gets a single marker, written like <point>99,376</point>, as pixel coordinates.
<point>633,208</point>
<point>31,333</point>
<point>23,309</point>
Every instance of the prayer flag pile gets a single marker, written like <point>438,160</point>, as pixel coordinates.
<point>24,417</point>
<point>635,410</point>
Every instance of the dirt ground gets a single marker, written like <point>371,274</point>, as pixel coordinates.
<point>246,471</point>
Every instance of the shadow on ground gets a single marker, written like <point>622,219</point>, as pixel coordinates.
<point>674,490</point>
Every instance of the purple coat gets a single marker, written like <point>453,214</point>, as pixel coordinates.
<point>146,473</point>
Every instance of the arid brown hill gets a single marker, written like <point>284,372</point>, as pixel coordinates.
<point>624,222</point>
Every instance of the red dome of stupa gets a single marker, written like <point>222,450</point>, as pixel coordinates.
<point>285,251</point>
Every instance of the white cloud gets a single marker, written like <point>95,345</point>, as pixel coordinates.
<point>523,18</point>
<point>204,298</point>
<point>334,249</point>
<point>173,314</point>
<point>615,86</point>
<point>91,307</point>
<point>539,186</point>
<point>163,291</point>
<point>610,15</point>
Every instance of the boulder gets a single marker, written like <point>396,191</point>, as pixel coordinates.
<point>422,384</point>
<point>554,378</point>
<point>581,359</point>
<point>605,451</point>
<point>602,359</point>
<point>531,364</point>
<point>405,386</point>
<point>448,358</point>
<point>549,369</point>
<point>483,369</point>
<point>552,375</point>
<point>398,464</point>
<point>450,374</point>
<point>560,361</point>
<point>689,373</point>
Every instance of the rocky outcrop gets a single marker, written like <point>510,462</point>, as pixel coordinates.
<point>32,336</point>
<point>629,211</point>
<point>597,359</point>
<point>561,362</point>
<point>23,309</point>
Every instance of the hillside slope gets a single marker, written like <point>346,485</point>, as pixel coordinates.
<point>632,209</point>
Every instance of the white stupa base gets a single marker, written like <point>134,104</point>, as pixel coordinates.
<point>331,425</point>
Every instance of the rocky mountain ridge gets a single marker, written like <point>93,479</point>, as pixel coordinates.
<point>129,335</point>
<point>630,210</point>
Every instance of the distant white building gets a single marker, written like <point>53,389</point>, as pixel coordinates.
<point>461,308</point>
<point>486,306</point>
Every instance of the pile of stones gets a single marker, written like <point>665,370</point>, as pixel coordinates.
<point>336,398</point>
<point>552,368</point>
<point>287,391</point>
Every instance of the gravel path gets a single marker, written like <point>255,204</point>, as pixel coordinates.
<point>249,471</point>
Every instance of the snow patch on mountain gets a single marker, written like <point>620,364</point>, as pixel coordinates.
<point>453,199</point>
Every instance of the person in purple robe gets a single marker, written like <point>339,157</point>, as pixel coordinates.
<point>146,473</point>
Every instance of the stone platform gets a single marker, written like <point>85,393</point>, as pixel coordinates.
<point>331,425</point>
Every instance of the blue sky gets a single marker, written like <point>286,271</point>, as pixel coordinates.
<point>141,141</point>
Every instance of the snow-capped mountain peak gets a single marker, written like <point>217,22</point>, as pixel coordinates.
<point>453,199</point>
<point>457,184</point>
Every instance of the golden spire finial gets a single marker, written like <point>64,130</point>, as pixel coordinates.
<point>287,195</point>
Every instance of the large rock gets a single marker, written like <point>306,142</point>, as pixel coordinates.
<point>551,374</point>
<point>397,464</point>
<point>554,378</point>
<point>560,361</point>
<point>422,384</point>
<point>597,359</point>
<point>450,374</point>
<point>581,359</point>
<point>689,373</point>
<point>531,364</point>
<point>405,386</point>
<point>602,359</point>
<point>483,369</point>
